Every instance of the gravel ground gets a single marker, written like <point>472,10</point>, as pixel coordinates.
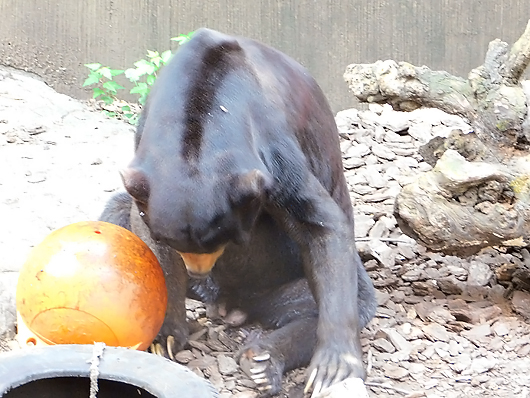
<point>446,326</point>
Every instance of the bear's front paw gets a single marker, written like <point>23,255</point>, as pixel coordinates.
<point>170,340</point>
<point>263,368</point>
<point>330,366</point>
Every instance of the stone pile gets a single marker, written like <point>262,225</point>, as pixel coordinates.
<point>443,322</point>
<point>380,156</point>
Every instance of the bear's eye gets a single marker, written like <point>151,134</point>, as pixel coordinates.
<point>142,210</point>
<point>219,232</point>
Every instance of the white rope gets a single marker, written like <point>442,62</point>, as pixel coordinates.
<point>97,353</point>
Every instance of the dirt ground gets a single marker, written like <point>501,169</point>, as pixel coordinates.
<point>59,162</point>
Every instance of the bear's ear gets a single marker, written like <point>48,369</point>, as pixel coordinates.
<point>135,182</point>
<point>251,185</point>
<point>248,193</point>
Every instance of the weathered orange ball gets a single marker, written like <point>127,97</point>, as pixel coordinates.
<point>92,282</point>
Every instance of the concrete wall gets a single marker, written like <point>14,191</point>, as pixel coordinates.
<point>55,38</point>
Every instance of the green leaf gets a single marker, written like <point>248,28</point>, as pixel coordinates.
<point>93,67</point>
<point>152,54</point>
<point>156,61</point>
<point>143,99</point>
<point>109,113</point>
<point>140,88</point>
<point>107,99</point>
<point>112,86</point>
<point>132,118</point>
<point>92,78</point>
<point>126,108</point>
<point>150,79</point>
<point>144,67</point>
<point>116,72</point>
<point>105,71</point>
<point>97,92</point>
<point>166,56</point>
<point>183,38</point>
<point>132,74</point>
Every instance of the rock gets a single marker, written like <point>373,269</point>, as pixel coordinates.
<point>441,131</point>
<point>500,328</point>
<point>381,195</point>
<point>505,272</point>
<point>395,121</point>
<point>427,288</point>
<point>421,132</point>
<point>202,362</point>
<point>457,271</point>
<point>462,362</point>
<point>497,294</point>
<point>398,296</point>
<point>432,273</point>
<point>436,332</point>
<point>424,167</point>
<point>383,152</point>
<point>369,118</point>
<point>395,372</point>
<point>480,365</point>
<point>404,151</point>
<point>371,160</point>
<point>379,230</point>
<point>363,224</point>
<point>442,349</point>
<point>382,297</point>
<point>449,286</point>
<point>362,190</point>
<point>417,368</point>
<point>397,340</point>
<point>440,315</point>
<point>521,303</point>
<point>474,315</point>
<point>405,249</point>
<point>357,151</point>
<point>496,344</point>
<point>383,345</point>
<point>479,274</point>
<point>384,254</point>
<point>385,312</point>
<point>393,137</point>
<point>455,348</point>
<point>245,394</point>
<point>477,332</point>
<point>413,275</point>
<point>377,108</point>
<point>184,356</point>
<point>406,163</point>
<point>345,145</point>
<point>374,177</point>
<point>226,364</point>
<point>348,117</point>
<point>352,163</point>
<point>351,387</point>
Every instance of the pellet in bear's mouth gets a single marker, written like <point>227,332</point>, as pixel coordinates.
<point>200,265</point>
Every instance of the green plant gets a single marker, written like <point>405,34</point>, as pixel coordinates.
<point>109,88</point>
<point>143,76</point>
<point>146,68</point>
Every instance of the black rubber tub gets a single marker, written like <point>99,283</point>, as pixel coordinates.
<point>63,371</point>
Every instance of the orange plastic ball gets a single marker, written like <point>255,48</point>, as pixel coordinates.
<point>92,282</point>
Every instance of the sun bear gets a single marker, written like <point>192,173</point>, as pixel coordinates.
<point>237,185</point>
